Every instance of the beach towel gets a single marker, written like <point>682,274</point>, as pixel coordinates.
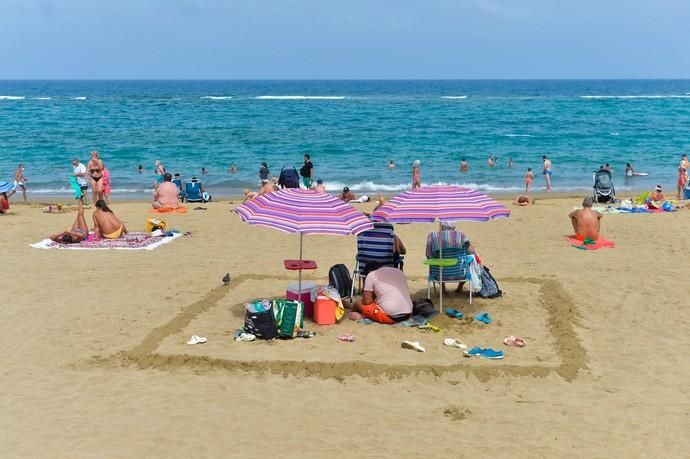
<point>130,241</point>
<point>167,210</point>
<point>75,187</point>
<point>600,244</point>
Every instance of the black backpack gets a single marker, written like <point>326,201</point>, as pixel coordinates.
<point>490,287</point>
<point>289,178</point>
<point>339,278</point>
<point>261,324</point>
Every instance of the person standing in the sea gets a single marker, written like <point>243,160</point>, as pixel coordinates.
<point>464,167</point>
<point>529,178</point>
<point>159,172</point>
<point>264,172</point>
<point>307,171</point>
<point>548,171</point>
<point>683,167</point>
<point>416,174</point>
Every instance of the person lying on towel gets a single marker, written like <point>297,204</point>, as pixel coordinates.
<point>586,221</point>
<point>386,298</point>
<point>79,231</point>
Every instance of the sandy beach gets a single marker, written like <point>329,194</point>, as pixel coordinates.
<point>96,362</point>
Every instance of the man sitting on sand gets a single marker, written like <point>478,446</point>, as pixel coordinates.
<point>386,298</point>
<point>586,221</point>
<point>105,223</point>
<point>523,200</point>
<point>79,231</point>
<point>165,196</point>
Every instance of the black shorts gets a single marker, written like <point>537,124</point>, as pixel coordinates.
<point>84,187</point>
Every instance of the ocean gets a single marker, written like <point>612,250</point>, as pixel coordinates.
<point>351,129</point>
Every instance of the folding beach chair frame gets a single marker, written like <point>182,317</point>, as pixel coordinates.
<point>380,230</point>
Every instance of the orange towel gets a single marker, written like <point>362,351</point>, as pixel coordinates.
<point>600,244</point>
<point>167,210</point>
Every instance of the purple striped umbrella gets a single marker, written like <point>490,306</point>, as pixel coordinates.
<point>296,210</point>
<point>440,203</point>
<point>443,203</point>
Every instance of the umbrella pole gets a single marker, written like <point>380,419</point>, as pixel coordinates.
<point>299,285</point>
<point>440,251</point>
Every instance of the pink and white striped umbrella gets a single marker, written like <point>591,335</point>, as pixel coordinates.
<point>442,203</point>
<point>296,210</point>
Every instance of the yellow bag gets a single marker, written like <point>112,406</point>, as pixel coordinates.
<point>153,224</point>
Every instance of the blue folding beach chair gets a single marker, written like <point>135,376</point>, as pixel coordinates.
<point>193,192</point>
<point>376,244</point>
<point>460,272</point>
<point>181,194</point>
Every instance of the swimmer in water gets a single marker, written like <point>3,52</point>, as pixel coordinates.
<point>463,165</point>
<point>391,165</point>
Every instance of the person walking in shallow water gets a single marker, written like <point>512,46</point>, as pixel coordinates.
<point>416,174</point>
<point>683,167</point>
<point>548,171</point>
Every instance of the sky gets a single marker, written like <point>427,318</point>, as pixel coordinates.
<point>343,39</point>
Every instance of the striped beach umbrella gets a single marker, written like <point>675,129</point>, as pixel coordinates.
<point>296,210</point>
<point>440,203</point>
<point>445,204</point>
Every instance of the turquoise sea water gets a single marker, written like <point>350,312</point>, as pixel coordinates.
<point>350,128</point>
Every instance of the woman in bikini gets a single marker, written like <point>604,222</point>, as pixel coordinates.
<point>105,223</point>
<point>95,168</point>
<point>79,231</point>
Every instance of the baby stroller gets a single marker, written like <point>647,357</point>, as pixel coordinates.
<point>603,187</point>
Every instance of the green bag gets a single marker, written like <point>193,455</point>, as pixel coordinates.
<point>289,317</point>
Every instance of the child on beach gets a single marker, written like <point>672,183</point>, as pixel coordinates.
<point>416,174</point>
<point>529,178</point>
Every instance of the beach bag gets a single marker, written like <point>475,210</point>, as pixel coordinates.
<point>490,287</point>
<point>289,316</point>
<point>153,224</point>
<point>289,178</point>
<point>339,278</point>
<point>259,320</point>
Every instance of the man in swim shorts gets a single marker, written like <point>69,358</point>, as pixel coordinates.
<point>547,172</point>
<point>586,221</point>
<point>19,182</point>
<point>386,297</point>
<point>307,171</point>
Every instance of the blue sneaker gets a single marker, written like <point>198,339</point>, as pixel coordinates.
<point>475,351</point>
<point>491,354</point>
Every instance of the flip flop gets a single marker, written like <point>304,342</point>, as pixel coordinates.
<point>196,340</point>
<point>490,354</point>
<point>430,326</point>
<point>454,313</point>
<point>454,342</point>
<point>414,345</point>
<point>245,337</point>
<point>347,338</point>
<point>483,317</point>
<point>514,341</point>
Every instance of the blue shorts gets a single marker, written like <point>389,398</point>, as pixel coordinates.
<point>159,179</point>
<point>549,172</point>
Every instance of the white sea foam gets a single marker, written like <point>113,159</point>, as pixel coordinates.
<point>299,97</point>
<point>12,97</point>
<point>79,98</point>
<point>453,97</point>
<point>63,191</point>
<point>517,135</point>
<point>41,98</point>
<point>641,96</point>
<point>216,97</point>
<point>372,187</point>
<point>614,134</point>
